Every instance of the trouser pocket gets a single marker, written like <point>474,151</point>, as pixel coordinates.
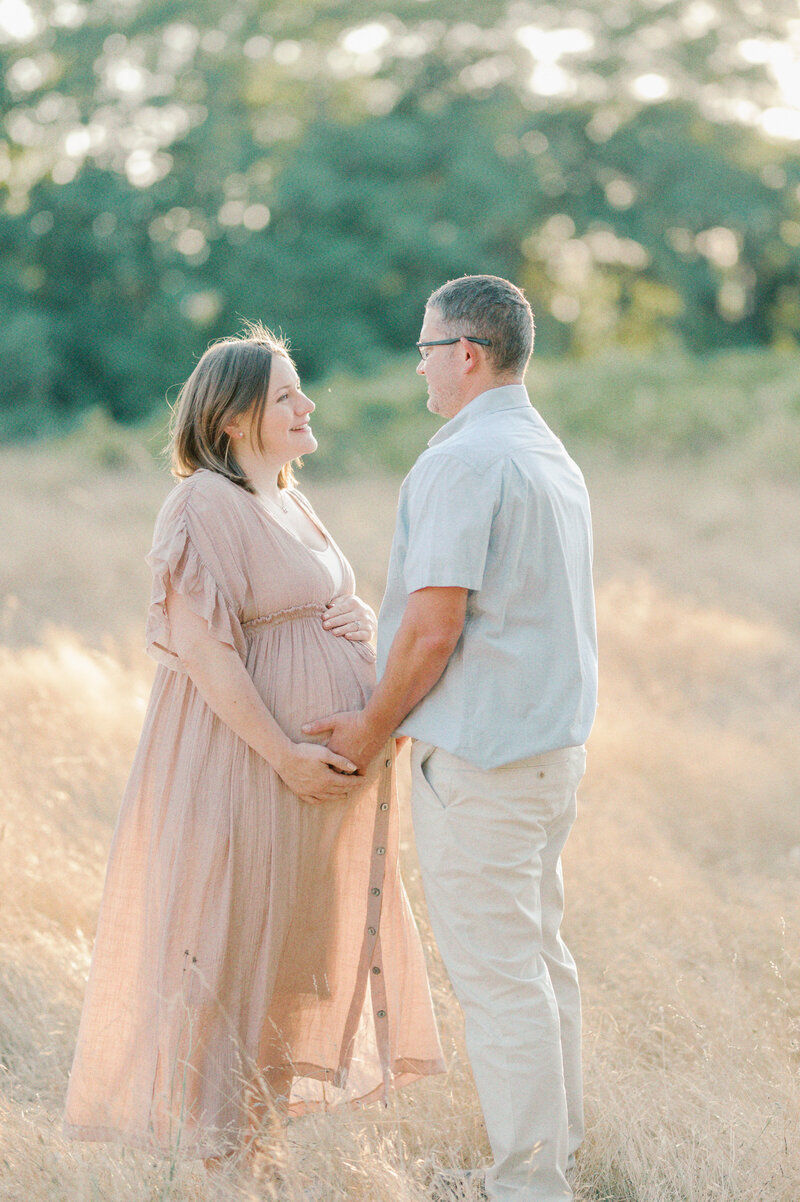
<point>428,774</point>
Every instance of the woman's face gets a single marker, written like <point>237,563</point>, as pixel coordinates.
<point>285,430</point>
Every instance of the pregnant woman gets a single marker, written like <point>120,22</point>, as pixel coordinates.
<point>255,946</point>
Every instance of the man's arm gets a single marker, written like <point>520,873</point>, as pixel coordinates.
<point>426,638</point>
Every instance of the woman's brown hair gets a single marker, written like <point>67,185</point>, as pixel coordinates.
<point>231,378</point>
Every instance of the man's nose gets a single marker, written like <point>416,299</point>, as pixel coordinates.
<point>421,368</point>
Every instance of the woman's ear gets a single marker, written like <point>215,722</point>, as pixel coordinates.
<point>233,430</point>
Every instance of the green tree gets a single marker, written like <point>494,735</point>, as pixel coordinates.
<point>323,166</point>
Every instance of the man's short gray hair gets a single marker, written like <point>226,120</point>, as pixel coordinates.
<point>489,307</point>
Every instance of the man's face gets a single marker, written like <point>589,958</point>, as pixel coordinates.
<point>438,367</point>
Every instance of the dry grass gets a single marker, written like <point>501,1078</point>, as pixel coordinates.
<point>683,869</point>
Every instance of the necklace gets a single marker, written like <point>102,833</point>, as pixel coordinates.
<point>270,504</point>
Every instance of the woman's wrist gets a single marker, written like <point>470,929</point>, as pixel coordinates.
<point>281,755</point>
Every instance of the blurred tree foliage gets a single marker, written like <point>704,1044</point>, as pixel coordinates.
<point>322,166</point>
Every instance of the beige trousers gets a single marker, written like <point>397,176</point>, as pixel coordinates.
<point>489,845</point>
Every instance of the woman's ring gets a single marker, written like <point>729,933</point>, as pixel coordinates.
<point>358,624</point>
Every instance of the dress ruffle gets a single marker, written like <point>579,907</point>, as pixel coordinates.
<point>176,564</point>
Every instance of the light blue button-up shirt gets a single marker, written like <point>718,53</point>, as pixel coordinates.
<point>496,506</point>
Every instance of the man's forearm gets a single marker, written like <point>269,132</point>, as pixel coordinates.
<point>416,661</point>
<point>427,636</point>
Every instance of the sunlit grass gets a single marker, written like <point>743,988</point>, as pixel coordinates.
<point>683,869</point>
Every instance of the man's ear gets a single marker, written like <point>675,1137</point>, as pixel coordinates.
<point>471,360</point>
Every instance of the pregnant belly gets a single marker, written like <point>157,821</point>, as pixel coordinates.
<point>303,672</point>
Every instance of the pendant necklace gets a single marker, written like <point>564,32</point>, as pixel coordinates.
<point>270,504</point>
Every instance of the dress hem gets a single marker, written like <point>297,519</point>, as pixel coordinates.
<point>405,1072</point>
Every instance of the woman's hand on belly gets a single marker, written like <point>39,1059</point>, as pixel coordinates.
<point>350,618</point>
<point>316,774</point>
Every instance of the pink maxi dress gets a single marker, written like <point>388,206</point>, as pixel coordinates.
<point>241,928</point>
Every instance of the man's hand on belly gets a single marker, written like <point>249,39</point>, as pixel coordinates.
<point>429,631</point>
<point>347,729</point>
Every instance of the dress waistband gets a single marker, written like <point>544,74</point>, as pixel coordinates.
<point>285,615</point>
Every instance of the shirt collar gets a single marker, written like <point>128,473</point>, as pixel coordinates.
<point>494,400</point>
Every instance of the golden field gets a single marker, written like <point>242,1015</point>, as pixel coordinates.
<point>683,873</point>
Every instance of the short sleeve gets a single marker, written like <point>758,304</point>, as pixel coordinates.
<point>189,555</point>
<point>451,506</point>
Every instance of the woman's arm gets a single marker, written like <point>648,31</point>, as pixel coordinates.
<point>225,685</point>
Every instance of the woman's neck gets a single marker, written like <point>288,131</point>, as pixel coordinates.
<point>263,476</point>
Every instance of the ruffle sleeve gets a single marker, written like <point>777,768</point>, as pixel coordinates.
<point>185,557</point>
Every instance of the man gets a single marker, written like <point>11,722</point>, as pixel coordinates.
<point>487,658</point>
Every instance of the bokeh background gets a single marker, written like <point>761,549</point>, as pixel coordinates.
<point>631,163</point>
<point>166,172</point>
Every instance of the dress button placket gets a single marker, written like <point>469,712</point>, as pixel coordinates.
<point>374,903</point>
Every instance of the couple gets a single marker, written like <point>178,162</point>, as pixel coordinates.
<point>255,948</point>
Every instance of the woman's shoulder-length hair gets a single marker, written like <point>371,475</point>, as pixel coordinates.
<point>231,377</point>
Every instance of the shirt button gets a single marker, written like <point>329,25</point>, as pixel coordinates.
<point>381,1014</point>
<point>376,971</point>
<point>380,851</point>
<point>541,774</point>
<point>375,892</point>
<point>384,805</point>
<point>371,931</point>
<point>388,763</point>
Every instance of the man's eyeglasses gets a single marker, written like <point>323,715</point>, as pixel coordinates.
<point>448,342</point>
